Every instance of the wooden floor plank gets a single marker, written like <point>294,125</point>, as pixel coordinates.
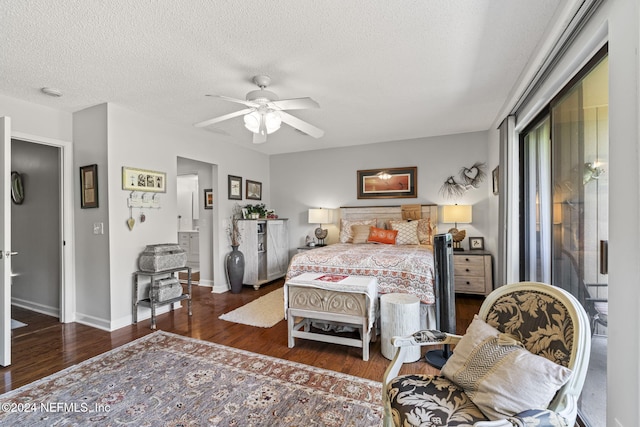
<point>46,346</point>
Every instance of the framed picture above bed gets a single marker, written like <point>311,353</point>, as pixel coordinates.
<point>390,183</point>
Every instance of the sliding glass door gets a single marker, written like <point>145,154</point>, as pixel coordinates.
<point>564,210</point>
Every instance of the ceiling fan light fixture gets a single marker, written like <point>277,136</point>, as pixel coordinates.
<point>272,121</point>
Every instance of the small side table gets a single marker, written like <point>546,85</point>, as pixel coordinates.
<point>399,316</point>
<point>149,302</point>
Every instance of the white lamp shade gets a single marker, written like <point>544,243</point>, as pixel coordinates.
<point>319,216</point>
<point>460,214</point>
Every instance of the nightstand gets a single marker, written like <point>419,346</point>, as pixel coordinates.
<point>472,272</point>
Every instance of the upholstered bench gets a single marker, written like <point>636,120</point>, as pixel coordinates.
<point>336,300</point>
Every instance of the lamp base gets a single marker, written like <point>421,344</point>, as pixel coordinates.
<point>321,234</point>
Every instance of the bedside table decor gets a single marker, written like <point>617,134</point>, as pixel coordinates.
<point>476,243</point>
<point>457,214</point>
<point>319,216</point>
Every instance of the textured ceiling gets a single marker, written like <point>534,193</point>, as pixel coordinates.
<point>381,70</point>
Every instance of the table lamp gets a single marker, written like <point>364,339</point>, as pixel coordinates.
<point>457,214</point>
<point>319,216</point>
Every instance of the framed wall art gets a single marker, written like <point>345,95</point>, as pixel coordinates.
<point>476,243</point>
<point>254,190</point>
<point>89,186</point>
<point>495,175</point>
<point>143,180</point>
<point>235,187</point>
<point>390,183</point>
<point>208,198</point>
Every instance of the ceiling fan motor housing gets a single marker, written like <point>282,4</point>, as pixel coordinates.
<point>262,96</point>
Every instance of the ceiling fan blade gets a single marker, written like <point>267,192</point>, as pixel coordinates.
<point>225,117</point>
<point>294,104</point>
<point>305,127</point>
<point>259,138</point>
<point>236,100</point>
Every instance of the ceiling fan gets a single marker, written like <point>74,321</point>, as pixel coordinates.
<point>266,112</point>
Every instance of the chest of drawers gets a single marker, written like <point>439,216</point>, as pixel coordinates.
<point>472,272</point>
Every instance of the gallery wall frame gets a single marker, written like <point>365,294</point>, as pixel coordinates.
<point>89,186</point>
<point>388,183</point>
<point>254,190</point>
<point>208,198</point>
<point>235,187</point>
<point>135,179</point>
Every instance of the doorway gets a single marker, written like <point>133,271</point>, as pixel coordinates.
<point>36,234</point>
<point>564,211</point>
<point>195,218</point>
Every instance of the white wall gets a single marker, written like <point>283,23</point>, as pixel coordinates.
<point>37,120</point>
<point>140,141</point>
<point>92,250</point>
<point>327,178</point>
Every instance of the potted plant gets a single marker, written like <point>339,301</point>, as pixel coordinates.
<point>256,211</point>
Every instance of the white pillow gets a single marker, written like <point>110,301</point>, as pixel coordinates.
<point>407,232</point>
<point>346,234</point>
<point>499,376</point>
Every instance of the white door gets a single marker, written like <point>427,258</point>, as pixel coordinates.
<point>5,245</point>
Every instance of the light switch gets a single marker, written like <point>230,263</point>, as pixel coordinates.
<point>98,228</point>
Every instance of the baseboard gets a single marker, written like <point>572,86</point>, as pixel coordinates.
<point>38,308</point>
<point>94,322</point>
<point>219,288</point>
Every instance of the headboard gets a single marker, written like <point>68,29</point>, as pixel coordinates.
<point>385,213</point>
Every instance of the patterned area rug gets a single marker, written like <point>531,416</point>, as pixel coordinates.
<point>164,379</point>
<point>264,312</point>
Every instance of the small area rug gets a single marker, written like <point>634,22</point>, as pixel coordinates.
<point>264,312</point>
<point>15,324</point>
<point>164,379</point>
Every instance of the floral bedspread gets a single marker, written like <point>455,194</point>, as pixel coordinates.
<point>403,269</point>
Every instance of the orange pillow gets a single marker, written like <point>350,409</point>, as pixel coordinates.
<point>380,235</point>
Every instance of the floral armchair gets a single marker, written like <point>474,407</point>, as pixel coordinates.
<point>522,362</point>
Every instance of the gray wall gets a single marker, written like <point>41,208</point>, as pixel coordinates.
<point>35,228</point>
<point>327,178</point>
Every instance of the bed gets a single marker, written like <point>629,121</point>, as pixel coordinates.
<point>398,268</point>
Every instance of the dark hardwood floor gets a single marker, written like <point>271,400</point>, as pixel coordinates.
<point>46,346</point>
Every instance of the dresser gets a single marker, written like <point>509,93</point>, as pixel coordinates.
<point>265,246</point>
<point>472,272</point>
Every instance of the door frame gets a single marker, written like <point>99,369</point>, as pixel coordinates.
<point>67,245</point>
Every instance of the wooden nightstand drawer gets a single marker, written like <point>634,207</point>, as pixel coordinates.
<point>468,266</point>
<point>472,272</point>
<point>470,285</point>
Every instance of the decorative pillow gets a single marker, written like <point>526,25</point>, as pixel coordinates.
<point>426,230</point>
<point>345,228</point>
<point>380,235</point>
<point>407,232</point>
<point>360,233</point>
<point>499,376</point>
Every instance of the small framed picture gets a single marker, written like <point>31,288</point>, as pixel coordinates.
<point>495,175</point>
<point>235,187</point>
<point>89,186</point>
<point>254,190</point>
<point>476,243</point>
<point>208,198</point>
<point>135,179</point>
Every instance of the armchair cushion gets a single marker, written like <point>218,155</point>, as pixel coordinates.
<point>429,400</point>
<point>499,375</point>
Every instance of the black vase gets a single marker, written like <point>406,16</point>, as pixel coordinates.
<point>235,269</point>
